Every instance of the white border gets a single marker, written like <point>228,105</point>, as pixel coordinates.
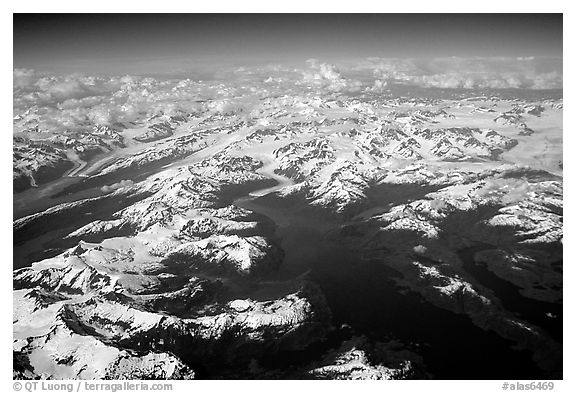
<point>229,6</point>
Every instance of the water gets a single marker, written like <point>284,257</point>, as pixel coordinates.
<point>530,310</point>
<point>363,295</point>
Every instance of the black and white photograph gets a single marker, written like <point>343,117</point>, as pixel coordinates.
<point>287,196</point>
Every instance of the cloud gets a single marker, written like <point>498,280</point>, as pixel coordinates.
<point>71,102</point>
<point>469,73</point>
<point>547,80</point>
<point>226,107</point>
<point>327,76</point>
<point>116,186</point>
<point>379,86</point>
<point>420,249</point>
<point>57,103</point>
<point>23,78</point>
<point>461,80</point>
<point>323,71</point>
<point>32,88</point>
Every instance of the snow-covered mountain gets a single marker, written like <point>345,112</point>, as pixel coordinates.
<point>173,247</point>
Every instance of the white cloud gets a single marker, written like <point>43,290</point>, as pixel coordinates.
<point>464,80</point>
<point>378,87</point>
<point>23,78</point>
<point>226,107</point>
<point>76,101</point>
<point>116,186</point>
<point>469,73</point>
<point>62,102</point>
<point>327,76</point>
<point>420,249</point>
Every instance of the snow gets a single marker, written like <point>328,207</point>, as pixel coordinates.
<point>316,141</point>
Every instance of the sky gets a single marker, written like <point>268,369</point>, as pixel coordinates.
<point>172,43</point>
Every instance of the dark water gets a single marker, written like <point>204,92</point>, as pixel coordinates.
<point>530,310</point>
<point>44,237</point>
<point>362,294</point>
<point>38,199</point>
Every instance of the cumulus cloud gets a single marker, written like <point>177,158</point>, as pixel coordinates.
<point>420,249</point>
<point>116,186</point>
<point>379,86</point>
<point>322,71</point>
<point>328,76</point>
<point>31,88</point>
<point>56,103</point>
<point>70,102</point>
<point>226,107</point>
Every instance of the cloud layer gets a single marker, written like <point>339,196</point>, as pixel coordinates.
<point>469,73</point>
<point>72,101</point>
<point>52,103</point>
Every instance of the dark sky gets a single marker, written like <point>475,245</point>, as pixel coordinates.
<point>147,43</point>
